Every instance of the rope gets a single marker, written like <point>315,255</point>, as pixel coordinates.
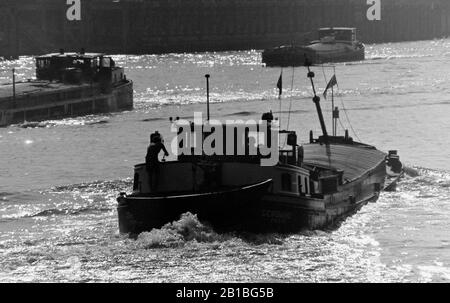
<point>343,106</point>
<point>342,125</point>
<point>348,119</point>
<point>326,83</point>
<point>279,111</point>
<point>323,72</point>
<point>328,150</point>
<point>290,105</point>
<point>290,102</point>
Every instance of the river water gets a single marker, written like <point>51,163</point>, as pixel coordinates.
<point>59,179</point>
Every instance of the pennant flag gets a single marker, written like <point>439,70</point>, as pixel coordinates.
<point>280,84</point>
<point>330,84</point>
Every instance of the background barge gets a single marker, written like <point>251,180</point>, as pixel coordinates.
<point>67,84</point>
<point>337,44</point>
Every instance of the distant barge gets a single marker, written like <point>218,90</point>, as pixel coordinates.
<point>66,85</point>
<point>337,44</point>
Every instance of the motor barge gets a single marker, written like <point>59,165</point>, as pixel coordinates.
<point>67,85</point>
<point>312,186</point>
<point>337,44</point>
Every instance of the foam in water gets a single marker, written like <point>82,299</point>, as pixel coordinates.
<point>78,121</point>
<point>190,229</point>
<point>174,234</point>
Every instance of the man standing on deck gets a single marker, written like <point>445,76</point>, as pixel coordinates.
<point>151,159</point>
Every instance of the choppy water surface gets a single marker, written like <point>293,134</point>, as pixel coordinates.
<point>59,179</point>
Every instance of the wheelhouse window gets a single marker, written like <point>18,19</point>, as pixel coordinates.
<point>95,62</point>
<point>306,186</point>
<point>286,182</point>
<point>42,63</point>
<point>301,189</point>
<point>106,62</point>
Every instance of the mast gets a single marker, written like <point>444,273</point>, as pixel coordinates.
<point>14,83</point>
<point>332,105</point>
<point>207,96</point>
<point>332,111</point>
<point>316,100</point>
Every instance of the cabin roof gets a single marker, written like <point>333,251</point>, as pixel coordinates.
<point>352,160</point>
<point>77,55</point>
<point>337,28</point>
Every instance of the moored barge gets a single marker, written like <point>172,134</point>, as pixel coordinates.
<point>338,44</point>
<point>67,84</point>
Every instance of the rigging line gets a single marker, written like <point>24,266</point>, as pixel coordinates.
<point>290,105</point>
<point>290,102</point>
<point>342,125</point>
<point>327,145</point>
<point>346,115</point>
<point>324,76</point>
<point>326,84</point>
<point>279,98</point>
<point>348,120</point>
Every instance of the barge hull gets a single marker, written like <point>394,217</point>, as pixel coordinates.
<point>224,210</point>
<point>252,211</point>
<point>53,104</point>
<point>297,58</point>
<point>245,214</point>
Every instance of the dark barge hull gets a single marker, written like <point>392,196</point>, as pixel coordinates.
<point>224,210</point>
<point>252,209</point>
<point>249,212</point>
<point>56,101</point>
<point>295,56</point>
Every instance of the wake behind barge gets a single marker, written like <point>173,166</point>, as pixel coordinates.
<point>67,84</point>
